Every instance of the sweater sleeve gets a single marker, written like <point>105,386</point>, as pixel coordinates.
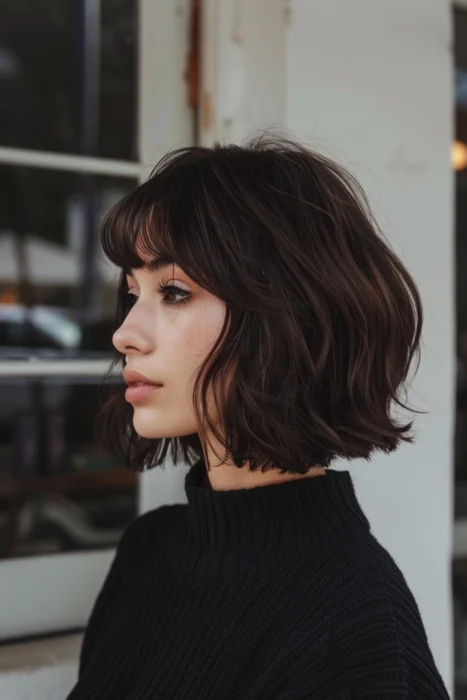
<point>375,645</point>
<point>382,651</point>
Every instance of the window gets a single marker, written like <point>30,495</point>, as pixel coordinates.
<point>85,91</point>
<point>68,76</point>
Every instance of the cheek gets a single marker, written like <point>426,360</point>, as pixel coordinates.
<point>194,342</point>
<point>184,343</point>
<point>193,335</point>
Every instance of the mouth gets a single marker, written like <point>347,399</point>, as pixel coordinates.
<point>139,391</point>
<point>139,386</point>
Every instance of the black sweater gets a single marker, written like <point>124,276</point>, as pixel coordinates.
<point>278,592</point>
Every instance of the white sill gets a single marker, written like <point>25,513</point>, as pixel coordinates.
<point>43,669</point>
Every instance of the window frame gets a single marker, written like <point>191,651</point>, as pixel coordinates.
<point>52,593</point>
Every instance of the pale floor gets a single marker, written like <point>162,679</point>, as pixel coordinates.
<point>40,670</point>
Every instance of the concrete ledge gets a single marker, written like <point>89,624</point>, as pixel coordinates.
<point>41,670</point>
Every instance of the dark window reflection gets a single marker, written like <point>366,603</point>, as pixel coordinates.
<point>58,490</point>
<point>68,76</point>
<point>57,292</point>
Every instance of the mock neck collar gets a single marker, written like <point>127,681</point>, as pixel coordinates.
<point>269,522</point>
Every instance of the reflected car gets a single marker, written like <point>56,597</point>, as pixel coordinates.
<point>40,329</point>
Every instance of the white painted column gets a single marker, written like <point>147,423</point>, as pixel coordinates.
<point>369,84</point>
<point>164,119</point>
<point>244,68</point>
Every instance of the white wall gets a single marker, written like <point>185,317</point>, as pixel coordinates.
<point>369,83</point>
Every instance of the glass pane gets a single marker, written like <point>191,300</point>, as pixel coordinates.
<point>58,489</point>
<point>57,293</point>
<point>68,76</point>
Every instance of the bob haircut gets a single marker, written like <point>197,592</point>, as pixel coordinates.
<point>322,318</point>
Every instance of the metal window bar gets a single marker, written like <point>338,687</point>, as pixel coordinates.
<point>35,368</point>
<point>72,163</point>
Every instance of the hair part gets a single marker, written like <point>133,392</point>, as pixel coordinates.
<point>322,320</point>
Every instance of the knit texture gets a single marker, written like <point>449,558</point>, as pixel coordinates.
<point>278,592</point>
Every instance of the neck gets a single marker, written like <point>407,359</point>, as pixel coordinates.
<point>225,476</point>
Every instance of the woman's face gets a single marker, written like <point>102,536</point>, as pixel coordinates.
<point>165,336</point>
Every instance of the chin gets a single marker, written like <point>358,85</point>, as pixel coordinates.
<point>151,425</point>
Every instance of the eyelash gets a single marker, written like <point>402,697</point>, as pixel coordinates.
<point>164,288</point>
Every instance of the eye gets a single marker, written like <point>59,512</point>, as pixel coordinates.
<point>171,290</point>
<point>130,300</point>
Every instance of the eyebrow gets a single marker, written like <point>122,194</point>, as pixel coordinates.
<point>156,264</point>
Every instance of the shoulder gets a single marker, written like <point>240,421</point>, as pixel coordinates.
<point>352,562</point>
<point>352,584</point>
<point>372,586</point>
<point>362,594</point>
<point>155,518</point>
<point>145,530</point>
<point>375,575</point>
<point>375,639</point>
<point>135,550</point>
<point>383,636</point>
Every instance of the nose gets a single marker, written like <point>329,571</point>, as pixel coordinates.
<point>130,339</point>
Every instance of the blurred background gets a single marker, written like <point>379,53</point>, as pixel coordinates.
<point>92,93</point>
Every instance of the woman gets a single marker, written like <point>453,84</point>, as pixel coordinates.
<point>266,329</point>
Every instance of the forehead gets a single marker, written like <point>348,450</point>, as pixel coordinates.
<point>154,265</point>
<point>151,262</point>
<point>145,257</point>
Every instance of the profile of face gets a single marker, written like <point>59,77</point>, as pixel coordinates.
<point>171,326</point>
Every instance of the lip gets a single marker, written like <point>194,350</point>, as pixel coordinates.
<point>139,385</point>
<point>138,392</point>
<point>132,376</point>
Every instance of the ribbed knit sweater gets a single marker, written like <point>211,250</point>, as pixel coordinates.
<point>277,592</point>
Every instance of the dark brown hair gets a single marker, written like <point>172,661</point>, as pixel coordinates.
<point>322,318</point>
